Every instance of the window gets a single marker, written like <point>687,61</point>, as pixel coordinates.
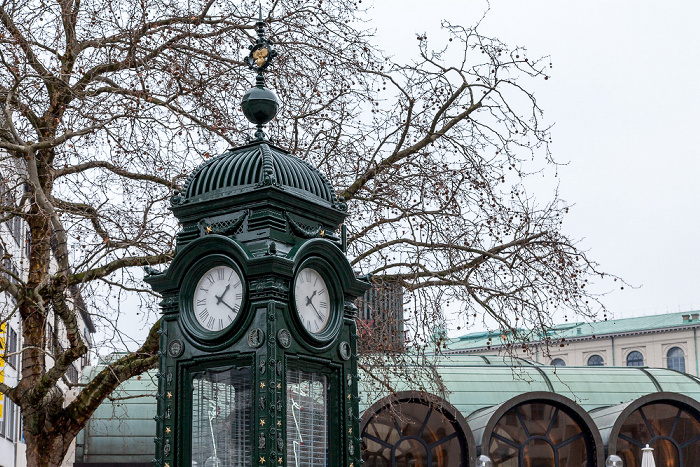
<point>72,374</point>
<point>595,360</point>
<point>12,348</point>
<point>673,432</point>
<point>635,358</point>
<point>675,359</point>
<point>221,418</point>
<point>7,424</point>
<point>413,432</point>
<point>558,362</point>
<point>539,434</point>
<point>307,418</point>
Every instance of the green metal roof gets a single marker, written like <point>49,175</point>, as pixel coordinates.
<point>253,166</point>
<point>123,430</point>
<point>473,382</point>
<point>582,330</point>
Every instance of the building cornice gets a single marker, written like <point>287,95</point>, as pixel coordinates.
<point>582,338</point>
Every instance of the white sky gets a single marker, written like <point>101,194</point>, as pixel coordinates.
<point>623,96</point>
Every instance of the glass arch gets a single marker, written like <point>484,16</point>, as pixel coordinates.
<point>413,432</point>
<point>673,432</point>
<point>675,359</point>
<point>595,360</point>
<point>558,362</point>
<point>539,434</point>
<point>635,358</point>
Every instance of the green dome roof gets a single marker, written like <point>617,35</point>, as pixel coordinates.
<point>254,166</point>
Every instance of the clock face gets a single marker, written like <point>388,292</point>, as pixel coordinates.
<point>312,300</point>
<point>217,298</point>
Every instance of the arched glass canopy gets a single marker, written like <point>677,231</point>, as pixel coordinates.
<point>539,434</point>
<point>414,432</point>
<point>673,432</point>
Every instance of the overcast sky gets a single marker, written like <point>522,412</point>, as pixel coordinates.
<point>624,100</point>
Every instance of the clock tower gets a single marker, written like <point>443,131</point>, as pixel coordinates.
<point>258,341</point>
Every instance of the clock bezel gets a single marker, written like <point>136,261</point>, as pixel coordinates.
<point>328,274</point>
<point>192,277</point>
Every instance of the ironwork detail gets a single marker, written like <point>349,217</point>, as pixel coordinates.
<point>344,350</point>
<point>284,338</point>
<point>175,349</point>
<point>222,225</point>
<point>256,337</point>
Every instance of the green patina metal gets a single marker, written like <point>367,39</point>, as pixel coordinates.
<point>259,214</point>
<point>120,431</point>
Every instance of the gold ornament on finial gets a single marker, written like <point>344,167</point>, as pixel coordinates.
<point>260,55</point>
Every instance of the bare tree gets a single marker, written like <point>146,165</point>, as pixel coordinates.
<point>109,105</point>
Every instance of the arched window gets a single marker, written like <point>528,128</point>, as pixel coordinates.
<point>595,360</point>
<point>558,362</point>
<point>414,432</point>
<point>673,432</point>
<point>635,358</point>
<point>675,359</point>
<point>539,434</point>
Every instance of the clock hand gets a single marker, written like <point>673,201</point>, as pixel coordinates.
<point>219,299</point>
<point>320,316</point>
<point>308,299</point>
<point>229,306</point>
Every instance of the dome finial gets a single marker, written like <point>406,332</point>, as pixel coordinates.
<point>259,104</point>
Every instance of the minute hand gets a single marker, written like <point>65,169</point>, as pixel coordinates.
<point>320,316</point>
<point>229,306</point>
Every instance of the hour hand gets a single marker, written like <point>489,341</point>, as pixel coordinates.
<point>308,299</point>
<point>220,298</point>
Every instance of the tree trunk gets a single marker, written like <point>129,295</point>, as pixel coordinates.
<point>47,449</point>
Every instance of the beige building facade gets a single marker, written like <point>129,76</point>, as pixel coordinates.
<point>661,341</point>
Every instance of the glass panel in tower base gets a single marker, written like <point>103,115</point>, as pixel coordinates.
<point>221,418</point>
<point>307,419</point>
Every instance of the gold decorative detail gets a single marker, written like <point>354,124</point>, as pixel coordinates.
<point>350,430</point>
<point>351,464</point>
<point>167,429</point>
<point>262,460</point>
<point>262,422</point>
<point>166,465</point>
<point>170,394</point>
<point>208,229</point>
<point>322,233</point>
<point>349,396</point>
<point>260,55</point>
<point>262,385</point>
<point>279,422</point>
<point>279,460</point>
<point>279,385</point>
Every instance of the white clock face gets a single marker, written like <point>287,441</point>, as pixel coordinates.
<point>312,300</point>
<point>217,298</point>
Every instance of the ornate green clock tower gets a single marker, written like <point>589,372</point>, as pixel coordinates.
<point>258,342</point>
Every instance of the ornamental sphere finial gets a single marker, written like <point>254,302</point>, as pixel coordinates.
<point>259,104</point>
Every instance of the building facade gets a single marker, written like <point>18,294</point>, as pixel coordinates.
<point>14,250</point>
<point>661,341</point>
